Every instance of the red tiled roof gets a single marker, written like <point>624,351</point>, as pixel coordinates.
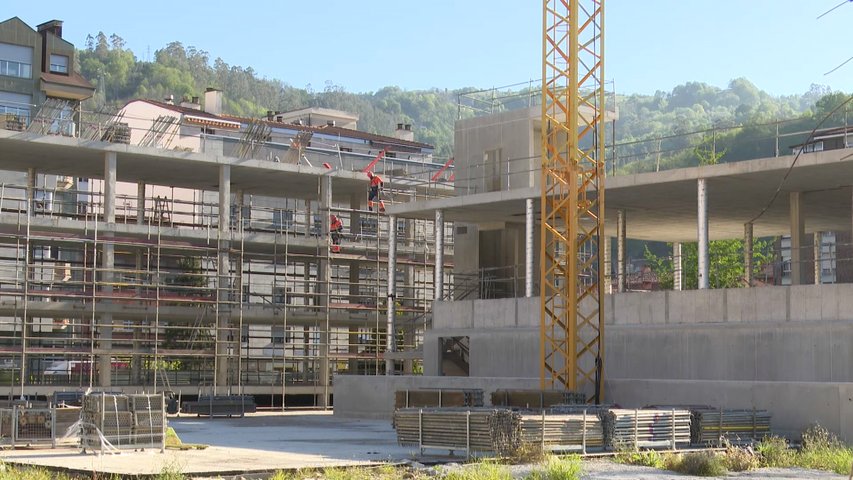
<point>340,131</point>
<point>179,109</point>
<point>73,79</point>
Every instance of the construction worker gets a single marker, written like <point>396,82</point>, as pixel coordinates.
<point>336,228</point>
<point>375,185</point>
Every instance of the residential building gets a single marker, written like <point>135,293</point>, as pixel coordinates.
<point>37,65</point>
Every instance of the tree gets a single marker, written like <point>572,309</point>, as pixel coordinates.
<point>726,268</point>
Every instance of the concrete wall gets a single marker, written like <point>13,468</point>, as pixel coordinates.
<point>511,133</point>
<point>800,333</point>
<point>373,396</point>
<point>794,405</point>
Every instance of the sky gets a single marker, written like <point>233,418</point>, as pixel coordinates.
<point>365,45</point>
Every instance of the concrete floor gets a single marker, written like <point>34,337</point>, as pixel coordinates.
<point>257,443</point>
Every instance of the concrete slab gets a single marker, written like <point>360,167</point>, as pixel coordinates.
<point>261,442</point>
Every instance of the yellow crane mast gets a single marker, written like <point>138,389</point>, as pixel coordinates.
<point>572,183</point>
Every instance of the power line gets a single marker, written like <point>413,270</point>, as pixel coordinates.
<point>833,8</point>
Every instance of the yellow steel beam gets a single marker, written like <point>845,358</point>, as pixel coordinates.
<point>572,249</point>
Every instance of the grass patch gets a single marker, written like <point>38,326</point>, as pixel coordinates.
<point>557,468</point>
<point>700,464</point>
<point>775,452</point>
<point>480,471</point>
<point>646,458</point>
<point>823,451</point>
<point>8,472</point>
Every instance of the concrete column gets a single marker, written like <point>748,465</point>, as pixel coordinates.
<point>324,271</point>
<point>136,361</point>
<point>140,203</point>
<point>352,349</point>
<point>818,237</point>
<point>528,247</point>
<point>621,260</point>
<point>677,267</point>
<point>608,265</point>
<point>438,283</point>
<point>108,266</point>
<point>748,261</point>
<point>702,228</point>
<point>798,231</point>
<point>392,293</point>
<point>32,175</point>
<point>224,338</point>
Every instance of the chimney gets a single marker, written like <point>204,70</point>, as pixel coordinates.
<point>53,26</point>
<point>269,115</point>
<point>191,103</point>
<point>404,132</point>
<point>213,101</point>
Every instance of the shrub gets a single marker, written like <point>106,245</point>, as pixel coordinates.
<point>702,464</point>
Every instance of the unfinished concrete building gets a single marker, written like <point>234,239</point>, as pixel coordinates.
<point>782,348</point>
<point>173,248</point>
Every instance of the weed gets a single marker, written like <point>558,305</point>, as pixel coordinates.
<point>740,459</point>
<point>557,468</point>
<point>823,450</point>
<point>646,458</point>
<point>528,453</point>
<point>701,464</point>
<point>774,452</point>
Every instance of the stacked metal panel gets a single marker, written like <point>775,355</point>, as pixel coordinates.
<point>499,430</point>
<point>445,428</point>
<point>221,406</point>
<point>563,432</point>
<point>438,398</point>
<point>646,428</point>
<point>736,427</point>
<point>536,398</point>
<point>122,421</point>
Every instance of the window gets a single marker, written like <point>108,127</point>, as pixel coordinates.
<point>282,219</point>
<point>59,63</point>
<point>277,335</point>
<point>16,61</point>
<point>16,105</point>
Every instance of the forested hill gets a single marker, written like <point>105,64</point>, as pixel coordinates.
<point>187,71</point>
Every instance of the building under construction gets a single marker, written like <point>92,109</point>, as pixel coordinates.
<point>171,247</point>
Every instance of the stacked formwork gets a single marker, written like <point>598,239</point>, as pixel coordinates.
<point>245,296</point>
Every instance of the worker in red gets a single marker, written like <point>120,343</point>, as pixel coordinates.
<point>375,185</point>
<point>336,229</point>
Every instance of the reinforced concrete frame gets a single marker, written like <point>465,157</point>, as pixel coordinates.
<point>217,291</point>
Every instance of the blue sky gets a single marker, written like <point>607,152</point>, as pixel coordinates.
<point>364,45</point>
